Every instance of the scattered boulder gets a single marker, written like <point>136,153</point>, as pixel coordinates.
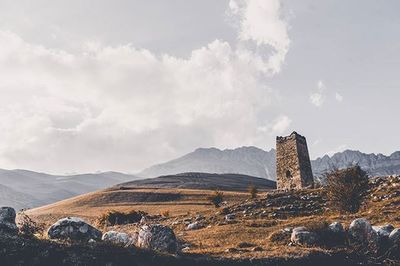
<point>301,236</point>
<point>224,210</point>
<point>185,249</point>
<point>298,229</point>
<point>73,228</point>
<point>143,220</point>
<point>336,227</point>
<point>245,245</point>
<point>361,230</point>
<point>199,217</point>
<point>256,249</point>
<point>194,226</point>
<point>7,221</point>
<point>157,237</point>
<point>230,217</point>
<point>383,231</point>
<point>120,238</point>
<point>394,236</point>
<point>231,250</point>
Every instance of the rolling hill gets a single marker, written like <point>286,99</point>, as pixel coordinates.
<point>191,180</point>
<point>28,189</point>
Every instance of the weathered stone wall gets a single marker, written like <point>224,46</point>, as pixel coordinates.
<point>306,174</point>
<point>293,167</point>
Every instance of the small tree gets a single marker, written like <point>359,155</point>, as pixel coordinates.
<point>216,198</point>
<point>346,189</point>
<point>253,191</point>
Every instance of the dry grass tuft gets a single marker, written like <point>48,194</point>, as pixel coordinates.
<point>280,237</point>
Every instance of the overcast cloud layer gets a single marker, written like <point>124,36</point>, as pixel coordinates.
<point>82,104</point>
<point>119,107</point>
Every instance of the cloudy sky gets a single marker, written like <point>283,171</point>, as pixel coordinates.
<point>96,85</point>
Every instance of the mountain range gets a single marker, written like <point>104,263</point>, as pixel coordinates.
<point>259,163</point>
<point>28,189</point>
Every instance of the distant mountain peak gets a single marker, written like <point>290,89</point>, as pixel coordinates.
<point>254,161</point>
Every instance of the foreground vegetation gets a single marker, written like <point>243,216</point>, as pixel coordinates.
<point>258,232</point>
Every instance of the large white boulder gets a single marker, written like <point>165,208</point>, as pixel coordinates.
<point>394,236</point>
<point>301,236</point>
<point>383,230</point>
<point>120,238</point>
<point>73,228</point>
<point>7,221</point>
<point>361,230</point>
<point>157,237</point>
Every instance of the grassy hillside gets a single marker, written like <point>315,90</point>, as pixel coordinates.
<point>193,180</point>
<point>259,222</point>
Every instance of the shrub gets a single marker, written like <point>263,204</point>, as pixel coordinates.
<point>280,237</point>
<point>346,189</point>
<point>253,191</point>
<point>113,217</point>
<point>216,198</point>
<point>28,227</point>
<point>165,213</point>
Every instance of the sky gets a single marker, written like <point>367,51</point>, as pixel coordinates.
<point>99,85</point>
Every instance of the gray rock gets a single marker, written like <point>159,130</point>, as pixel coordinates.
<point>199,217</point>
<point>361,230</point>
<point>298,229</point>
<point>230,217</point>
<point>73,228</point>
<point>245,245</point>
<point>231,250</point>
<point>120,238</point>
<point>301,236</point>
<point>194,226</point>
<point>157,237</point>
<point>383,231</point>
<point>336,227</point>
<point>185,249</point>
<point>7,221</point>
<point>256,249</point>
<point>394,236</point>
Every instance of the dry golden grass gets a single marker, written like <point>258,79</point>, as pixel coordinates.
<point>90,206</point>
<point>216,238</point>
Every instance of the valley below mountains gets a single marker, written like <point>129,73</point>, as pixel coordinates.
<point>204,168</point>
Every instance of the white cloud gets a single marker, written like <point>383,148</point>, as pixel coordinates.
<point>278,126</point>
<point>338,97</point>
<point>261,22</point>
<point>281,124</point>
<point>317,97</point>
<point>122,108</point>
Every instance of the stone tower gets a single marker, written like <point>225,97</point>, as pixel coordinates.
<point>293,166</point>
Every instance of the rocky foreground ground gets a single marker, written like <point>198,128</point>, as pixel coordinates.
<point>277,228</point>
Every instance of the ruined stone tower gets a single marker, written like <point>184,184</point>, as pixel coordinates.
<point>293,166</point>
